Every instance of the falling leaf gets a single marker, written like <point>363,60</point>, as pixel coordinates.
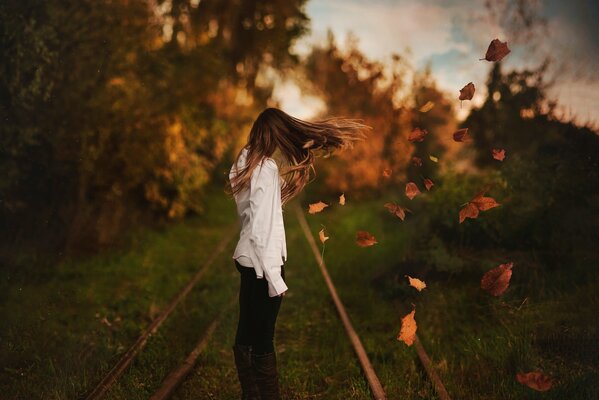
<point>365,239</point>
<point>411,190</point>
<point>317,207</point>
<point>535,380</point>
<point>322,236</point>
<point>433,158</point>
<point>417,161</point>
<point>105,321</point>
<point>499,154</point>
<point>461,135</point>
<point>496,51</point>
<point>416,283</point>
<point>397,210</point>
<point>308,144</point>
<point>428,184</point>
<point>467,92</point>
<point>469,211</point>
<point>496,280</point>
<point>417,135</point>
<point>478,203</point>
<point>427,107</point>
<point>407,333</point>
<point>387,172</point>
<point>342,199</point>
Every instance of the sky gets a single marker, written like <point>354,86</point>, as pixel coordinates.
<point>452,36</point>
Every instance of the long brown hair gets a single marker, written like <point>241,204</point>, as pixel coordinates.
<point>299,142</point>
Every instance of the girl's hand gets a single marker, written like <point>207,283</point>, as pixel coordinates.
<point>283,294</point>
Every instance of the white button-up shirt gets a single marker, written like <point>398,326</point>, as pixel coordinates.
<point>262,244</point>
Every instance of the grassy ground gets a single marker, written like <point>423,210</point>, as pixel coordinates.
<point>54,344</point>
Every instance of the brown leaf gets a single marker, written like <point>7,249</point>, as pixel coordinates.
<point>387,172</point>
<point>469,211</point>
<point>365,239</point>
<point>342,199</point>
<point>428,184</point>
<point>417,135</point>
<point>536,380</point>
<point>461,135</point>
<point>322,236</point>
<point>467,92</point>
<point>426,107</point>
<point>397,210</point>
<point>411,190</point>
<point>499,154</point>
<point>416,283</point>
<point>485,203</point>
<point>496,51</point>
<point>417,161</point>
<point>407,333</point>
<point>317,207</point>
<point>496,280</point>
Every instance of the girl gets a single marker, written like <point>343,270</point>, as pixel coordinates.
<point>260,192</point>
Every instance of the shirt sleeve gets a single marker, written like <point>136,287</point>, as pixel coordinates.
<point>264,190</point>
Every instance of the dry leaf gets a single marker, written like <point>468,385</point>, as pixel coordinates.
<point>417,161</point>
<point>461,135</point>
<point>496,51</point>
<point>407,333</point>
<point>342,199</point>
<point>427,107</point>
<point>499,154</point>
<point>411,190</point>
<point>322,236</point>
<point>417,135</point>
<point>387,172</point>
<point>365,239</point>
<point>535,380</point>
<point>496,280</point>
<point>416,283</point>
<point>317,207</point>
<point>478,203</point>
<point>433,158</point>
<point>397,210</point>
<point>428,184</point>
<point>467,92</point>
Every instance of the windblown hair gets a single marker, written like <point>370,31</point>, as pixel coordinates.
<point>299,142</point>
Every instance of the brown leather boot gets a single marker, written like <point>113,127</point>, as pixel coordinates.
<point>243,362</point>
<point>266,375</point>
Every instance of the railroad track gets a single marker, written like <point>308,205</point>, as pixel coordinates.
<point>177,375</point>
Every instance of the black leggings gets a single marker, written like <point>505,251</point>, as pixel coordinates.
<point>257,311</point>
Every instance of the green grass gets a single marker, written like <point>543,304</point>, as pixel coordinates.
<point>54,346</point>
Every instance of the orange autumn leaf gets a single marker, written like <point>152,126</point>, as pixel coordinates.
<point>411,190</point>
<point>342,199</point>
<point>317,207</point>
<point>496,51</point>
<point>469,211</point>
<point>407,332</point>
<point>397,210</point>
<point>484,203</point>
<point>499,154</point>
<point>387,172</point>
<point>417,135</point>
<point>467,92</point>
<point>416,283</point>
<point>461,135</point>
<point>496,280</point>
<point>322,236</point>
<point>428,184</point>
<point>365,239</point>
<point>426,107</point>
<point>535,380</point>
<point>417,161</point>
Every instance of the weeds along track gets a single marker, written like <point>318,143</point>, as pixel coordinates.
<point>113,375</point>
